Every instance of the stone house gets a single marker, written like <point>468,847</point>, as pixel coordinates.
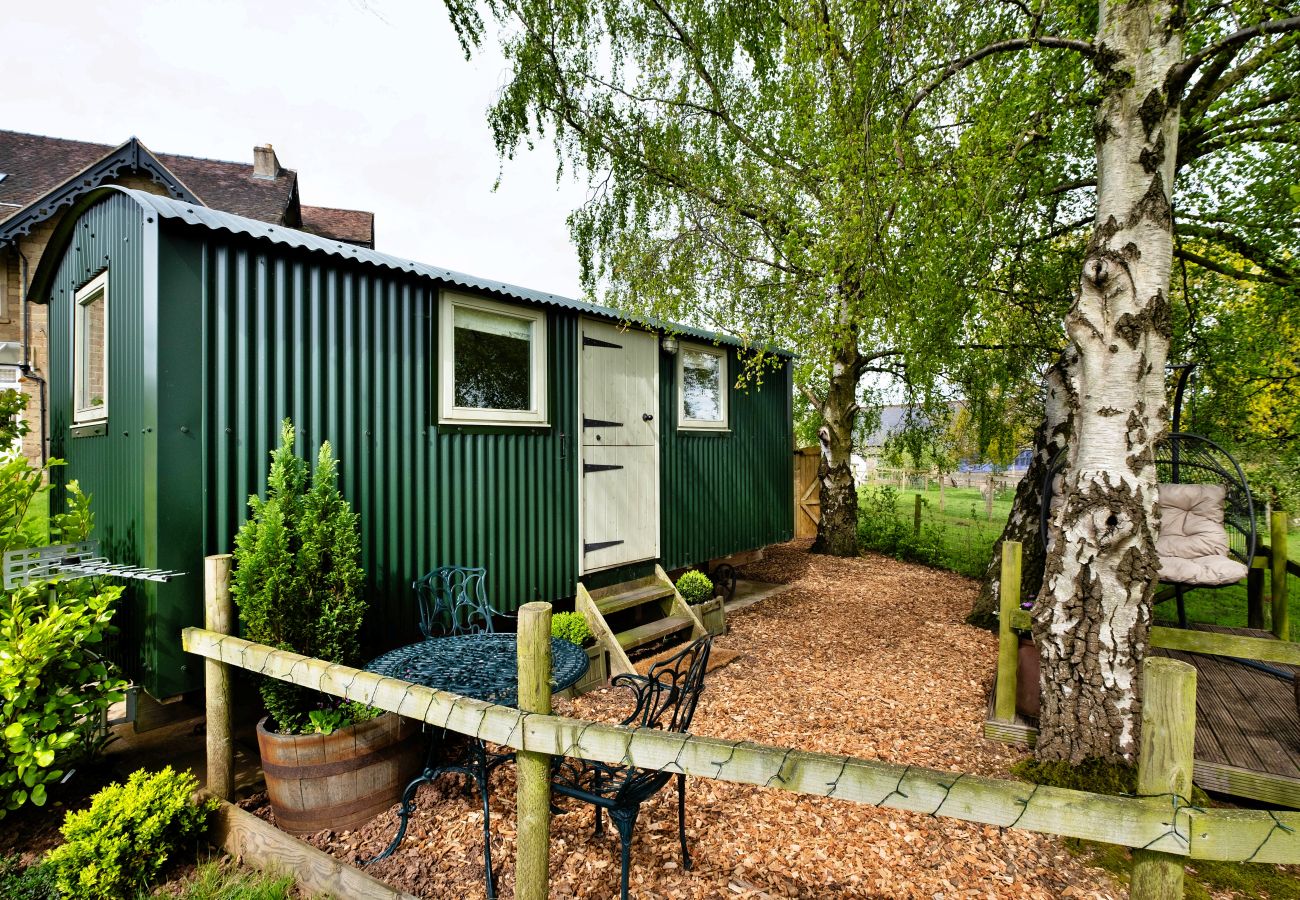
<point>40,178</point>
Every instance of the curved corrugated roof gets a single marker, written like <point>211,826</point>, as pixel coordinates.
<point>202,216</point>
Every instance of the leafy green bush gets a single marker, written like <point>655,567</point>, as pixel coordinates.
<point>880,527</point>
<point>120,843</point>
<point>695,587</point>
<point>571,627</point>
<point>328,721</point>
<point>298,577</point>
<point>55,687</point>
<point>19,882</point>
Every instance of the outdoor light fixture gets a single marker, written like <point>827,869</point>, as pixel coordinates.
<point>669,344</point>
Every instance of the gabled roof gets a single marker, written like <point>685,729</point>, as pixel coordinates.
<point>44,174</point>
<point>353,225</point>
<point>197,215</point>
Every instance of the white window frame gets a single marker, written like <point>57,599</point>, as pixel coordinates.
<point>724,385</point>
<point>90,415</point>
<point>448,412</point>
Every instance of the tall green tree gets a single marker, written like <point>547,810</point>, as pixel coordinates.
<point>1172,87</point>
<point>746,174</point>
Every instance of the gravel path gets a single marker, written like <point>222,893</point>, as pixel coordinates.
<point>863,656</point>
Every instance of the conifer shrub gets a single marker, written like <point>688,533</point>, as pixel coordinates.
<point>118,845</point>
<point>298,578</point>
<point>695,587</point>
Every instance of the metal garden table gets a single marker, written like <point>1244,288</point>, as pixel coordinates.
<point>484,666</point>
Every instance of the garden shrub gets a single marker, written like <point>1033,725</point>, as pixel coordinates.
<point>571,627</point>
<point>695,587</point>
<point>55,687</point>
<point>298,577</point>
<point>882,528</point>
<point>119,844</point>
<point>19,882</point>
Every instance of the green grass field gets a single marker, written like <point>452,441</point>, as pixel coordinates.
<point>966,537</point>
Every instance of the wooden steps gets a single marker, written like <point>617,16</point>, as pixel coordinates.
<point>652,603</point>
<point>635,597</point>
<point>651,631</point>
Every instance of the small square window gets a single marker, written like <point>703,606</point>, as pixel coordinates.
<point>90,353</point>
<point>702,388</point>
<point>493,363</point>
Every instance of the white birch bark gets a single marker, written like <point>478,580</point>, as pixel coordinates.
<point>1094,612</point>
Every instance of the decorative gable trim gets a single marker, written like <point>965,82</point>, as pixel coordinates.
<point>131,157</point>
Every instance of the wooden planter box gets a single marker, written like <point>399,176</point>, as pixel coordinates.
<point>596,676</point>
<point>713,614</point>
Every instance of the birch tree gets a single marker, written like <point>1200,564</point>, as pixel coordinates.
<point>1092,616</point>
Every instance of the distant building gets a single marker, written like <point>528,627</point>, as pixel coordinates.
<point>40,177</point>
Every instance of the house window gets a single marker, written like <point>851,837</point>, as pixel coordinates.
<point>493,363</point>
<point>90,353</point>
<point>702,388</point>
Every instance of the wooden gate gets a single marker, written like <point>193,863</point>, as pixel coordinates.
<point>807,492</point>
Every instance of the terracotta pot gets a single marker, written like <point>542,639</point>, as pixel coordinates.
<point>338,781</point>
<point>1028,691</point>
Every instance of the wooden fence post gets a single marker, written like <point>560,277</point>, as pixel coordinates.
<point>218,616</point>
<point>1165,767</point>
<point>1255,593</point>
<point>916,516</point>
<point>988,499</point>
<point>1004,704</point>
<point>1277,545</point>
<point>533,770</point>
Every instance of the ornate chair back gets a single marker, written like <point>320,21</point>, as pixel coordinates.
<point>667,696</point>
<point>453,600</point>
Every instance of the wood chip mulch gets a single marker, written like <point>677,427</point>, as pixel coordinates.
<point>865,656</point>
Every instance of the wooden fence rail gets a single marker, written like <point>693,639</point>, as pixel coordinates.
<point>1167,824</point>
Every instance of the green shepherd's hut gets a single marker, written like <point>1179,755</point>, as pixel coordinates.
<point>477,423</point>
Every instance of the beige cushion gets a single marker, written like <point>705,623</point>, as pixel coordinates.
<point>1191,521</point>
<point>1203,571</point>
<point>1193,543</point>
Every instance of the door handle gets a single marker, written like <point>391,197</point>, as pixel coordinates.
<point>646,417</point>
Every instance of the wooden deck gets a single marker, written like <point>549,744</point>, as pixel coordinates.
<point>1247,728</point>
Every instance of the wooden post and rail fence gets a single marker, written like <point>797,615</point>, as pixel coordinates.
<point>1163,828</point>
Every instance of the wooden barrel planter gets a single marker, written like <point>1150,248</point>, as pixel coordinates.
<point>338,781</point>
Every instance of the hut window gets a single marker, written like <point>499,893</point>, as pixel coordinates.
<point>90,352</point>
<point>493,362</point>
<point>702,388</point>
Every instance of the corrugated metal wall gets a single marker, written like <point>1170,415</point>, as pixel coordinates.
<point>232,335</point>
<point>115,468</point>
<point>344,350</point>
<point>723,493</point>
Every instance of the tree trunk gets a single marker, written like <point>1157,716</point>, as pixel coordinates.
<point>837,531</point>
<point>1025,522</point>
<point>1092,619</point>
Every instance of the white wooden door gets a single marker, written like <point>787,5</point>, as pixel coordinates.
<point>618,416</point>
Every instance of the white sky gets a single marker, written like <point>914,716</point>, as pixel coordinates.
<point>371,101</point>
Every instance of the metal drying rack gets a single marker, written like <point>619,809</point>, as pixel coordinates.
<point>22,567</point>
